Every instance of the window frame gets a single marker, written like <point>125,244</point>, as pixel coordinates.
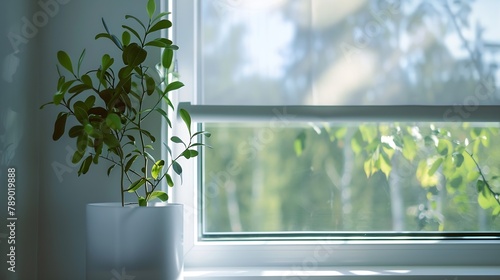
<point>299,254</point>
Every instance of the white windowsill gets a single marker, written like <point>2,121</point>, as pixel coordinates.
<point>351,273</point>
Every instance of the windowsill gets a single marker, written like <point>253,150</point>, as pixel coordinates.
<point>351,273</point>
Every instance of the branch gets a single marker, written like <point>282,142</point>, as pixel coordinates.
<point>495,194</point>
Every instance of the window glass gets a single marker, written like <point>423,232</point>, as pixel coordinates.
<point>357,52</point>
<point>297,177</point>
<point>373,177</point>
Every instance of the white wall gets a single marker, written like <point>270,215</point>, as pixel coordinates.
<point>50,232</point>
<point>18,130</point>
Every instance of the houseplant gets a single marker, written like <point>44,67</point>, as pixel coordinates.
<point>105,110</point>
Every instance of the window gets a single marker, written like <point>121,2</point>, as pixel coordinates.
<point>344,132</point>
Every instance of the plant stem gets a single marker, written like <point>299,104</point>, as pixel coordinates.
<point>141,136</point>
<point>495,194</point>
<point>122,178</point>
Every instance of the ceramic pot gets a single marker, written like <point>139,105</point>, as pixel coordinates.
<point>133,242</point>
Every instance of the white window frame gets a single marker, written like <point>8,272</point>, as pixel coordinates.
<point>308,259</point>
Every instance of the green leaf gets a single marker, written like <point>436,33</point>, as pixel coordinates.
<point>193,153</point>
<point>458,159</point>
<point>485,140</point>
<point>299,144</point>
<point>385,164</point>
<point>472,176</point>
<point>170,182</point>
<point>173,86</point>
<point>369,133</point>
<point>205,133</point>
<point>82,142</point>
<point>369,168</point>
<point>125,38</point>
<point>90,102</point>
<point>151,7</point>
<point>435,166</point>
<point>79,88</point>
<point>80,60</point>
<point>190,154</point>
<point>163,196</point>
<point>162,24</point>
<point>84,168</point>
<point>150,156</point>
<point>81,114</point>
<point>136,185</point>
<point>132,31</point>
<point>48,103</point>
<point>87,80</point>
<point>75,131</point>
<point>77,156</point>
<point>103,35</point>
<point>65,61</point>
<point>142,201</point>
<point>61,82</point>
<point>113,121</point>
<point>134,55</point>
<point>167,58</point>
<point>137,20</point>
<point>165,115</point>
<point>160,15</point>
<point>156,169</point>
<point>186,118</point>
<point>176,139</point>
<point>496,211</point>
<point>110,169</point>
<point>111,141</point>
<point>409,147</point>
<point>58,97</point>
<point>160,43</point>
<point>59,126</point>
<point>105,25</point>
<point>456,182</point>
<point>106,62</point>
<point>177,167</point>
<point>356,143</point>
<point>88,128</point>
<point>130,162</point>
<point>480,186</point>
<point>486,199</point>
<point>444,147</point>
<point>150,85</point>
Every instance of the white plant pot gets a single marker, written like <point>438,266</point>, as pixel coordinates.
<point>134,243</point>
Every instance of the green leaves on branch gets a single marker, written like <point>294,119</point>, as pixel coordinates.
<point>136,185</point>
<point>299,145</point>
<point>157,168</point>
<point>134,55</point>
<point>65,61</point>
<point>186,118</point>
<point>151,8</point>
<point>109,107</point>
<point>486,197</point>
<point>163,196</point>
<point>59,126</point>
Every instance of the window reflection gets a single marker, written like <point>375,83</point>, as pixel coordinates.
<point>327,52</point>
